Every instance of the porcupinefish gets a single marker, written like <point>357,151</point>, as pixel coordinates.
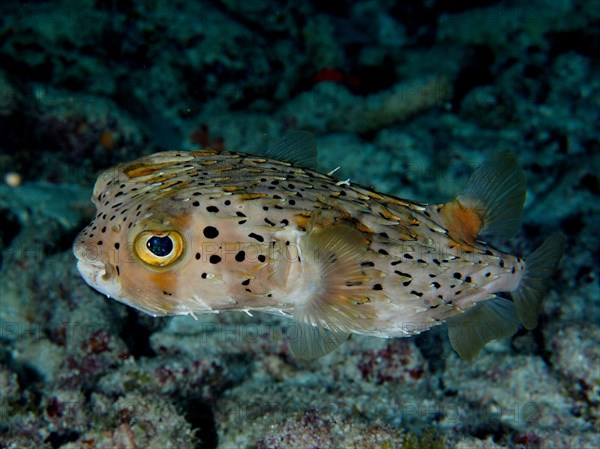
<point>191,232</point>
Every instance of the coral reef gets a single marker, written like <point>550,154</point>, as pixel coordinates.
<point>404,96</point>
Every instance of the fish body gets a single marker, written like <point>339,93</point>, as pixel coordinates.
<point>190,232</point>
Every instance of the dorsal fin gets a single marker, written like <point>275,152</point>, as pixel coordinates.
<point>336,302</point>
<point>298,148</point>
<point>490,204</point>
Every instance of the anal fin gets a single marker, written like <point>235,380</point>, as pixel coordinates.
<point>494,319</point>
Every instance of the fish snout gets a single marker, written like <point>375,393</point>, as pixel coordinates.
<point>92,262</point>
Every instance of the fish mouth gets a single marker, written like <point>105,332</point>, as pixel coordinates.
<point>90,263</point>
<point>92,272</point>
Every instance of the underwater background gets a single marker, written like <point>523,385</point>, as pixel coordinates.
<point>405,96</point>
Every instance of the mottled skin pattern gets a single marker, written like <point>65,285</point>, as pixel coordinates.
<point>404,275</point>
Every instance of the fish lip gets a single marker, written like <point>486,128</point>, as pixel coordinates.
<point>90,262</point>
<point>91,271</point>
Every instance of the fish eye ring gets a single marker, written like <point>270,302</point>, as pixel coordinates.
<point>158,248</point>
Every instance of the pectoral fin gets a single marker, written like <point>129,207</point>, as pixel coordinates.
<point>336,303</point>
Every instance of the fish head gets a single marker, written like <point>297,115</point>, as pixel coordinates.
<point>142,247</point>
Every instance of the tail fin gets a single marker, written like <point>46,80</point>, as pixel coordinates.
<point>541,265</point>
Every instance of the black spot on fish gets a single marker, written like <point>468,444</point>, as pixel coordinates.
<point>210,232</point>
<point>468,279</point>
<point>407,256</point>
<point>269,222</point>
<point>99,241</point>
<point>377,287</point>
<point>458,292</point>
<point>437,262</point>
<point>240,256</point>
<point>457,275</point>
<point>103,229</point>
<point>261,258</point>
<point>118,270</point>
<point>501,263</point>
<point>292,202</point>
<point>214,259</point>
<point>396,262</point>
<point>117,245</point>
<point>257,237</point>
<point>488,252</point>
<point>488,274</point>
<point>384,252</point>
<point>246,282</point>
<point>436,285</point>
<point>367,264</point>
<point>416,293</point>
<point>212,209</point>
<point>197,256</point>
<point>227,203</point>
<point>196,203</point>
<point>204,275</point>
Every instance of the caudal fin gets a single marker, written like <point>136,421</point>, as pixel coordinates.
<point>541,266</point>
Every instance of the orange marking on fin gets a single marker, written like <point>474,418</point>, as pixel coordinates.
<point>463,223</point>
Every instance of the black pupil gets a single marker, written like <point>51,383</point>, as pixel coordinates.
<point>160,246</point>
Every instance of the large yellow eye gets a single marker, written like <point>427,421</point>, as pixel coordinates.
<point>158,248</point>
